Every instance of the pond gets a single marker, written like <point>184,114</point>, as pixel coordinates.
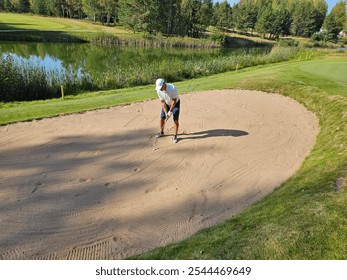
<point>32,71</point>
<point>95,60</point>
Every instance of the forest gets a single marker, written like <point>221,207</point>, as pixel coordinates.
<point>267,18</point>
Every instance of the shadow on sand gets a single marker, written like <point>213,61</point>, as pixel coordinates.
<point>213,133</point>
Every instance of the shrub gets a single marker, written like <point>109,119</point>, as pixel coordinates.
<point>220,38</point>
<point>287,43</point>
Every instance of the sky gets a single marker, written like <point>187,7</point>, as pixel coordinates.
<point>331,3</point>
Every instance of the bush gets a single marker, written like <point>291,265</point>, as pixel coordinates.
<point>287,43</point>
<point>318,37</point>
<point>220,38</point>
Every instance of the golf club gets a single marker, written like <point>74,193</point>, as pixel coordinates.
<point>155,138</point>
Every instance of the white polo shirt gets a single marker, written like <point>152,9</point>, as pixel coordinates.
<point>170,93</point>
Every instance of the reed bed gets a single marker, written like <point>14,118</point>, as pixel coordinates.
<point>25,81</point>
<point>149,40</point>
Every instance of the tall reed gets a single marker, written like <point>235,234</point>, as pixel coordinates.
<point>148,40</point>
<point>24,81</point>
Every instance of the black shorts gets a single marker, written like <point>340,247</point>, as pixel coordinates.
<point>175,111</point>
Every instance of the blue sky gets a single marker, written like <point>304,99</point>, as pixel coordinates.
<point>331,3</point>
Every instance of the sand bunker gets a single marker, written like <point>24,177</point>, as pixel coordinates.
<point>98,185</point>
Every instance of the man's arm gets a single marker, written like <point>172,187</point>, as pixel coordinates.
<point>163,105</point>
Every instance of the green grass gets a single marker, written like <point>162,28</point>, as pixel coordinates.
<point>10,21</point>
<point>32,28</point>
<point>29,22</point>
<point>24,111</point>
<point>333,72</point>
<point>305,218</point>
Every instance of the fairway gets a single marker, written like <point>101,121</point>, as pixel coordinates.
<point>333,70</point>
<point>23,22</point>
<point>29,22</point>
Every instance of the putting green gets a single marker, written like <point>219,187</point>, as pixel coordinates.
<point>334,70</point>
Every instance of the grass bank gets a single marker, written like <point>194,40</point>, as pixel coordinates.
<point>32,28</point>
<point>306,217</point>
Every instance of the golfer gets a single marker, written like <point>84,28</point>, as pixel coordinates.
<point>170,103</point>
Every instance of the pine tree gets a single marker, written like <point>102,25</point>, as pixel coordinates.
<point>222,15</point>
<point>139,15</point>
<point>265,21</point>
<point>38,7</point>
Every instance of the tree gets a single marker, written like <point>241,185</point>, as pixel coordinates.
<point>321,8</point>
<point>19,6</point>
<point>265,21</point>
<point>304,22</point>
<point>55,7</point>
<point>245,15</point>
<point>169,19</point>
<point>190,16</point>
<point>91,8</point>
<point>334,22</point>
<point>205,13</point>
<point>222,14</point>
<point>23,6</point>
<point>7,6</point>
<point>280,25</point>
<point>138,15</point>
<point>332,29</point>
<point>38,7</point>
<point>339,14</point>
<point>109,8</point>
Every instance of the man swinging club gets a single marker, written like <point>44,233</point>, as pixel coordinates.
<point>170,103</point>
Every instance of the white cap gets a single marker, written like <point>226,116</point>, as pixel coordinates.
<point>159,83</point>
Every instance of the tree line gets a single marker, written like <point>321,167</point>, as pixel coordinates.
<point>269,18</point>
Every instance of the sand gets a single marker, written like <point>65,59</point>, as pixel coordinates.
<point>98,185</point>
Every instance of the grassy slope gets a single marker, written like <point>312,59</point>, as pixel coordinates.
<point>26,27</point>
<point>28,22</point>
<point>24,111</point>
<point>31,22</point>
